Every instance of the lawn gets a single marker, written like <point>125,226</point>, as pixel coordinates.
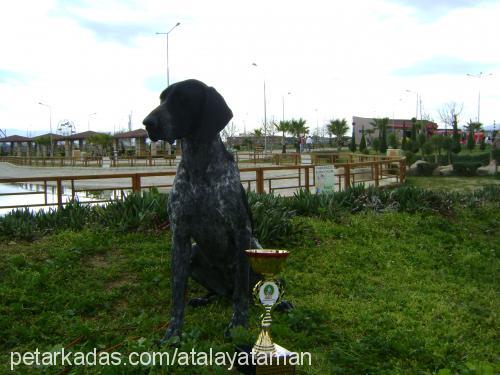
<point>380,293</point>
<point>456,184</point>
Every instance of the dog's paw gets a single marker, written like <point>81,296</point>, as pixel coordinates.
<point>284,306</point>
<point>172,337</point>
<point>240,320</point>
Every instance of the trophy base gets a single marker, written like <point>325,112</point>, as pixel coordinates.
<point>275,364</point>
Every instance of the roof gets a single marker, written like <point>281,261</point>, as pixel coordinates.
<point>82,135</point>
<point>15,138</point>
<point>55,137</point>
<point>137,133</point>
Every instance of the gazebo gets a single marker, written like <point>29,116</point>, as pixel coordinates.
<point>80,137</point>
<point>140,136</point>
<point>41,149</point>
<point>16,144</point>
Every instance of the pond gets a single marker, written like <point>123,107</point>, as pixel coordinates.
<point>32,194</point>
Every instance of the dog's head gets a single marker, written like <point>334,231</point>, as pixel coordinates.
<point>188,108</point>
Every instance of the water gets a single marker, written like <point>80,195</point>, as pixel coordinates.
<point>30,198</point>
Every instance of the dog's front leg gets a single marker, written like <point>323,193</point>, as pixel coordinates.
<point>241,287</point>
<point>181,253</point>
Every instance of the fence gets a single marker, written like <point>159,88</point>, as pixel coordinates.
<point>271,179</point>
<point>88,161</point>
<point>290,158</point>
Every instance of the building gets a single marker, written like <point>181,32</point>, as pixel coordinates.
<point>400,127</point>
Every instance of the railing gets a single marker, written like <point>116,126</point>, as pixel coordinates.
<point>88,161</point>
<point>285,179</point>
<point>290,158</point>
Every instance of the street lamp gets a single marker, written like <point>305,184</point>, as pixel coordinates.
<point>479,76</point>
<point>50,125</point>
<point>416,110</point>
<point>88,119</point>
<point>317,124</point>
<point>283,105</point>
<point>168,32</point>
<point>265,112</point>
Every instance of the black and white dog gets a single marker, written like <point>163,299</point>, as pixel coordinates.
<point>207,203</point>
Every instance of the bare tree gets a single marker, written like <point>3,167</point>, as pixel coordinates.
<point>229,132</point>
<point>449,112</point>
<point>426,117</point>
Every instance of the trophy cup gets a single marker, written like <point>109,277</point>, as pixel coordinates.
<point>268,292</point>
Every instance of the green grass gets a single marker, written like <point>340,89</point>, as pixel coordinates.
<point>390,293</point>
<point>455,184</point>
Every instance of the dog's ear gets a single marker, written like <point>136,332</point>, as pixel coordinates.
<point>215,114</point>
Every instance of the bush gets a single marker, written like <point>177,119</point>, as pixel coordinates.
<point>274,217</point>
<point>425,169</point>
<point>483,158</point>
<point>466,168</point>
<point>496,154</point>
<point>411,157</point>
<point>272,220</point>
<point>136,212</point>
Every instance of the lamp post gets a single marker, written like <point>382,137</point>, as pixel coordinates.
<point>50,125</point>
<point>317,121</point>
<point>479,76</point>
<point>88,119</point>
<point>283,106</point>
<point>416,109</point>
<point>265,113</point>
<point>168,32</point>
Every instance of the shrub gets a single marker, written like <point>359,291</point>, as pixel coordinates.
<point>482,143</point>
<point>410,157</point>
<point>393,141</point>
<point>272,220</point>
<point>425,169</point>
<point>465,168</point>
<point>482,158</point>
<point>362,143</point>
<point>136,212</point>
<point>496,154</point>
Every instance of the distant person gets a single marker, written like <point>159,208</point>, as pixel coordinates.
<point>309,143</point>
<point>301,144</point>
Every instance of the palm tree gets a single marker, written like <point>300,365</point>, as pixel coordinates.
<point>297,129</point>
<point>284,127</point>
<point>338,128</point>
<point>474,126</point>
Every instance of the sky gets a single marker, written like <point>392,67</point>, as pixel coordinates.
<point>96,62</point>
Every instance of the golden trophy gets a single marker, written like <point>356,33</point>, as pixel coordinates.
<point>268,292</point>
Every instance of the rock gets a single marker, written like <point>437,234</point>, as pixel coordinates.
<point>444,170</point>
<point>421,168</point>
<point>487,170</point>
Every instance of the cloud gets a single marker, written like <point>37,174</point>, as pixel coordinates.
<point>433,9</point>
<point>11,77</point>
<point>155,83</point>
<point>116,21</point>
<point>124,33</point>
<point>443,65</point>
